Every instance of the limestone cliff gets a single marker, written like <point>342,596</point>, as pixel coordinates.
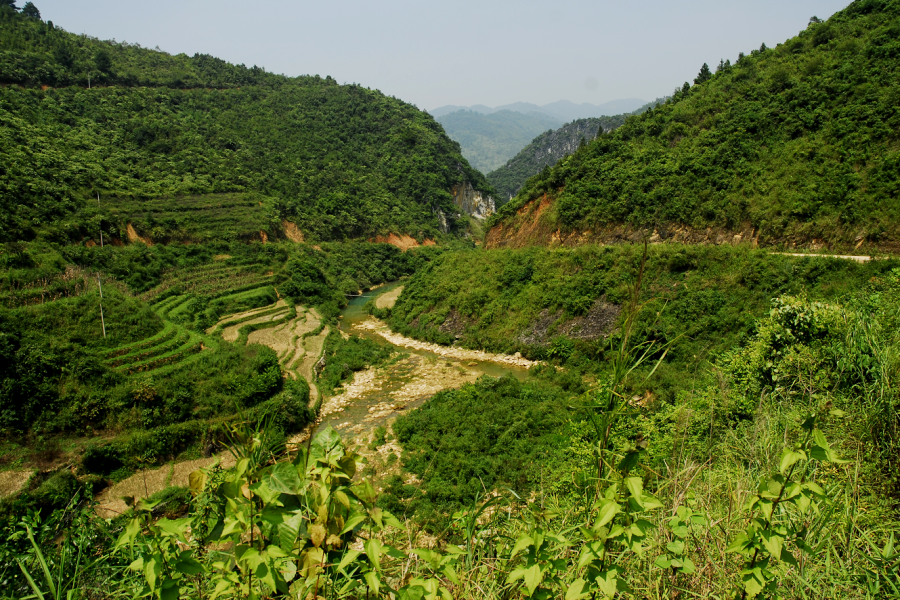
<point>472,202</point>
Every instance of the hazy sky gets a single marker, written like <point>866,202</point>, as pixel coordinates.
<point>462,52</point>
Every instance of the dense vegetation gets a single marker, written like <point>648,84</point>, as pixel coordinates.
<point>545,151</point>
<point>150,374</point>
<point>798,142</point>
<point>548,148</point>
<point>560,304</point>
<point>779,462</point>
<point>341,161</point>
<point>488,141</point>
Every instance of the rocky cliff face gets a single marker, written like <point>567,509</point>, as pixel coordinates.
<point>472,202</point>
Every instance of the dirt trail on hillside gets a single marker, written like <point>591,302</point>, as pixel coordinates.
<point>380,328</point>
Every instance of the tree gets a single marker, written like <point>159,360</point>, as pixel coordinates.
<point>30,10</point>
<point>103,61</point>
<point>704,75</point>
<point>8,4</point>
<point>763,48</point>
<point>814,19</point>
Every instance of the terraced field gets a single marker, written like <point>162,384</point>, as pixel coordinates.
<point>298,340</point>
<point>172,348</point>
<point>212,279</point>
<point>192,218</point>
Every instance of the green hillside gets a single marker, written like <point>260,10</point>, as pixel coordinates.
<point>545,150</point>
<point>341,161</point>
<point>549,147</point>
<point>488,141</point>
<point>797,142</point>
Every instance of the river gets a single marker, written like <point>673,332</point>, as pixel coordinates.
<point>376,396</point>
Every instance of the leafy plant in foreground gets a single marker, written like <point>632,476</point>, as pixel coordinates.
<point>780,508</point>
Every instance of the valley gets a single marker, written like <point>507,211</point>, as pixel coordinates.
<point>265,336</point>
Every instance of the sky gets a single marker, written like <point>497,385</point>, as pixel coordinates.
<point>465,52</point>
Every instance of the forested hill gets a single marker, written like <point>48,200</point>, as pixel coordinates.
<point>340,161</point>
<point>545,150</point>
<point>793,144</point>
<point>549,147</point>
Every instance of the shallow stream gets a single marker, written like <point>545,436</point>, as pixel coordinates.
<point>376,396</point>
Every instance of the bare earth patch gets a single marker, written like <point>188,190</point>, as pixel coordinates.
<point>388,299</point>
<point>13,481</point>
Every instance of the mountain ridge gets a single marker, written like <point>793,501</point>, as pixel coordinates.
<point>563,110</point>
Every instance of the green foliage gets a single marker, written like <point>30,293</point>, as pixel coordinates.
<point>708,298</point>
<point>182,134</point>
<point>495,432</point>
<point>544,151</point>
<point>343,357</point>
<point>798,142</point>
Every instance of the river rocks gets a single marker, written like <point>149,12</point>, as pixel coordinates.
<point>384,331</point>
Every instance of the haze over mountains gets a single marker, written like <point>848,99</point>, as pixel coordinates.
<point>563,110</point>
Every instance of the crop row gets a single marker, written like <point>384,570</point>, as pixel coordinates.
<point>182,338</point>
<point>262,313</point>
<point>171,305</point>
<point>194,344</point>
<point>224,279</point>
<point>167,332</point>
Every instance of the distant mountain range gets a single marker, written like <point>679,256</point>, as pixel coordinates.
<point>562,110</point>
<point>489,140</point>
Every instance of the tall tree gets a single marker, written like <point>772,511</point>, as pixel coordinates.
<point>30,10</point>
<point>704,75</point>
<point>8,4</point>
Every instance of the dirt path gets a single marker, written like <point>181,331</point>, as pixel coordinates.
<point>380,328</point>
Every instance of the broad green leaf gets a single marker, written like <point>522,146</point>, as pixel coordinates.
<point>635,487</point>
<point>675,547</point>
<point>606,582</point>
<point>787,557</point>
<point>187,564</point>
<point>773,543</point>
<point>789,459</point>
<point>608,510</point>
<point>152,571</point>
<point>751,585</point>
<point>688,567</point>
<point>516,574</point>
<point>348,558</point>
<point>532,578</point>
<point>373,581</point>
<point>662,562</point>
<point>575,591</point>
<point>132,530</point>
<point>451,575</point>
<point>523,542</point>
<point>373,552</point>
<point>168,590</point>
<point>650,502</point>
<point>354,520</point>
<point>284,479</point>
<point>738,544</point>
